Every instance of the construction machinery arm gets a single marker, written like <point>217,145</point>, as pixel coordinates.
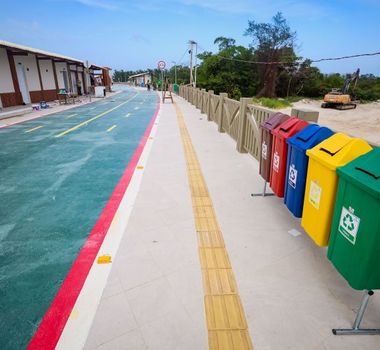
<point>353,79</point>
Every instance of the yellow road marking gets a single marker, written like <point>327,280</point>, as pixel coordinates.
<point>225,318</point>
<point>36,128</point>
<point>111,128</point>
<point>71,115</point>
<point>94,118</point>
<point>104,259</point>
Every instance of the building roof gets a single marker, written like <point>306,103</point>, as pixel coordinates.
<point>95,67</point>
<point>18,47</point>
<point>138,75</point>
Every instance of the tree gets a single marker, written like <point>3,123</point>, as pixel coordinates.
<point>226,71</point>
<point>224,43</point>
<point>271,42</point>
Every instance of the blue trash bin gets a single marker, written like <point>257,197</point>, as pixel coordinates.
<point>296,169</point>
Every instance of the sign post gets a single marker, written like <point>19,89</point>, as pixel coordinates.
<point>88,79</point>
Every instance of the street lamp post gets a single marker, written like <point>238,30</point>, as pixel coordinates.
<point>195,75</point>
<point>175,72</point>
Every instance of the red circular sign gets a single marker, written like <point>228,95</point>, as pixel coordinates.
<point>161,65</point>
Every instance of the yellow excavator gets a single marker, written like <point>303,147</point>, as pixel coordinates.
<point>340,98</point>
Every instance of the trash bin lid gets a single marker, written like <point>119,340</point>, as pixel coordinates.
<point>364,172</point>
<point>274,121</point>
<point>338,150</point>
<point>289,127</point>
<point>310,136</point>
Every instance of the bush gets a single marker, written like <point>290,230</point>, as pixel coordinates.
<point>276,103</point>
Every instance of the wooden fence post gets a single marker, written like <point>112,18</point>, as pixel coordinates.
<point>202,104</point>
<point>242,124</point>
<point>222,97</point>
<point>191,91</point>
<point>209,106</point>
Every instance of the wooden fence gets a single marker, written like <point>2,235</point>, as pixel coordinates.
<point>240,120</point>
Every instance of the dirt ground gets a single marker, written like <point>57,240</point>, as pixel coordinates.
<point>364,121</point>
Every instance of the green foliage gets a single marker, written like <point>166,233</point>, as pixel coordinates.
<point>368,88</point>
<point>275,103</point>
<point>219,73</point>
<point>271,36</point>
<point>329,82</point>
<point>233,69</point>
<point>272,42</point>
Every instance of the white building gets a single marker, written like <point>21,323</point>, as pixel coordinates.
<point>140,79</point>
<point>29,75</point>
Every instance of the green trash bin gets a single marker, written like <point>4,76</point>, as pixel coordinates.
<point>176,88</point>
<point>354,247</point>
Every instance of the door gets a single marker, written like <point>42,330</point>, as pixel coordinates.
<point>74,82</point>
<point>20,71</point>
<point>65,80</point>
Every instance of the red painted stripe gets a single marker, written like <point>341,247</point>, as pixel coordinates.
<point>54,321</point>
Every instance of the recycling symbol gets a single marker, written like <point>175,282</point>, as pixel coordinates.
<point>292,176</point>
<point>264,150</point>
<point>276,161</point>
<point>348,222</point>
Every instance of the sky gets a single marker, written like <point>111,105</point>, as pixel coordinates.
<point>136,34</point>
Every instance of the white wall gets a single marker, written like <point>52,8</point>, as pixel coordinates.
<point>6,83</point>
<point>60,66</point>
<point>47,74</point>
<point>31,71</point>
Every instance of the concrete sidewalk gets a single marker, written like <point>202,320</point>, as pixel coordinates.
<point>291,294</point>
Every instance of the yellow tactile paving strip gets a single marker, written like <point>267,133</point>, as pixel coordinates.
<point>226,322</point>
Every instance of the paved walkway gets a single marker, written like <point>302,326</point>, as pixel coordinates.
<point>55,107</point>
<point>154,298</point>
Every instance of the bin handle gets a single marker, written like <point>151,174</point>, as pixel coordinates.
<point>368,173</point>
<point>329,152</point>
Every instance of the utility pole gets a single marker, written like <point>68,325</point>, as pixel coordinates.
<point>191,50</point>
<point>175,72</point>
<point>196,66</point>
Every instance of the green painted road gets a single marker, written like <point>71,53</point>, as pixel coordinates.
<point>57,173</point>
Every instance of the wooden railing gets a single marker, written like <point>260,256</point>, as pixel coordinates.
<point>239,119</point>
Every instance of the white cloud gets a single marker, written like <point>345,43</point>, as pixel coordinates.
<point>291,8</point>
<point>106,5</point>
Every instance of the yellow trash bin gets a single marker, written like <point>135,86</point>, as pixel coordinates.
<point>321,182</point>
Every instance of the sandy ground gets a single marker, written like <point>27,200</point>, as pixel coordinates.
<point>364,121</point>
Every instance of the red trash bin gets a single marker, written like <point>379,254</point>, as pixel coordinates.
<point>280,152</point>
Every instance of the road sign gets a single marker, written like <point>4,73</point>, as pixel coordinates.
<point>161,65</point>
